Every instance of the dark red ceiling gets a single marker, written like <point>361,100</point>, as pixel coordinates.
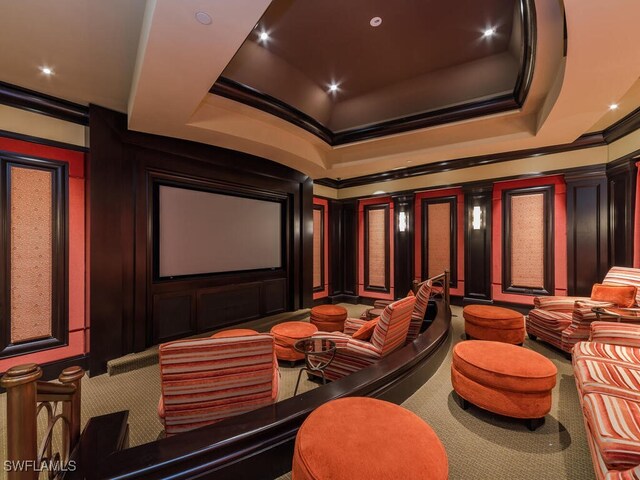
<point>315,42</point>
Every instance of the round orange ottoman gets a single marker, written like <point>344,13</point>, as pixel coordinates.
<point>287,334</point>
<point>503,379</point>
<point>234,332</point>
<point>328,318</point>
<point>486,322</point>
<point>364,438</point>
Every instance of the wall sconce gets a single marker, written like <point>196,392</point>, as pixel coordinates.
<point>476,221</point>
<point>402,221</point>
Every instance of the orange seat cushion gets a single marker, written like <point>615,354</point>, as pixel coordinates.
<point>493,316</point>
<point>622,295</point>
<point>234,332</point>
<point>504,366</point>
<point>366,330</point>
<point>364,438</point>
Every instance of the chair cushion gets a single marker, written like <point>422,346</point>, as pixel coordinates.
<point>622,295</point>
<point>366,330</point>
<point>549,320</point>
<point>504,366</point>
<point>597,375</point>
<point>616,353</point>
<point>614,424</point>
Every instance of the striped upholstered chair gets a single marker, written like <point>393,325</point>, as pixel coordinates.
<point>206,380</point>
<point>564,321</point>
<point>422,293</point>
<point>389,334</point>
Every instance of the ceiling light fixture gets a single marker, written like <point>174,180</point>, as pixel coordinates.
<point>613,106</point>
<point>46,70</point>
<point>375,22</point>
<point>333,88</point>
<point>489,32</point>
<point>204,18</point>
<point>263,36</point>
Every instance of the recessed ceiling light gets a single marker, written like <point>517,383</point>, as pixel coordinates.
<point>489,32</point>
<point>204,18</point>
<point>375,22</point>
<point>46,70</point>
<point>613,106</point>
<point>333,87</point>
<point>263,36</point>
<point>379,192</point>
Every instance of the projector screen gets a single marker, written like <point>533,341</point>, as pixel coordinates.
<point>202,232</point>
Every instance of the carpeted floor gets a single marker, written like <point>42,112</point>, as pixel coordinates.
<point>480,445</point>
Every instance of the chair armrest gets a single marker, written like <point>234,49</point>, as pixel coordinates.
<point>625,334</point>
<point>557,303</point>
<point>351,325</point>
<point>340,338</point>
<point>360,348</point>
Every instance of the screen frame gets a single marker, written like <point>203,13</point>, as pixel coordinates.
<point>232,190</point>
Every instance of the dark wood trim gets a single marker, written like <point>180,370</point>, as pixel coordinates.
<point>623,127</point>
<point>452,200</point>
<point>500,103</point>
<point>60,254</point>
<point>322,285</point>
<point>507,283</point>
<point>477,244</point>
<point>621,190</point>
<point>33,101</point>
<point>587,230</point>
<point>403,255</point>
<point>259,444</point>
<point>585,141</point>
<point>42,141</point>
<point>387,253</point>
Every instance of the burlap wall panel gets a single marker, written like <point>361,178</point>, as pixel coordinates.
<point>31,255</point>
<point>317,248</point>
<point>527,240</point>
<point>377,248</point>
<point>439,238</point>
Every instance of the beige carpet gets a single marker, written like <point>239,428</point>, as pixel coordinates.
<point>480,445</point>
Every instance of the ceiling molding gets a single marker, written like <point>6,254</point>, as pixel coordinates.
<point>623,127</point>
<point>32,101</point>
<point>588,140</point>
<point>239,92</point>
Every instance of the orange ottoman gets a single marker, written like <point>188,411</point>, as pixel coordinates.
<point>364,438</point>
<point>234,332</point>
<point>328,318</point>
<point>287,334</point>
<point>485,322</point>
<point>503,379</point>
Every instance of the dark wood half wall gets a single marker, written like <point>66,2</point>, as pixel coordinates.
<point>131,308</point>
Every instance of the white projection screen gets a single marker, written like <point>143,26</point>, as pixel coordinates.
<point>203,232</point>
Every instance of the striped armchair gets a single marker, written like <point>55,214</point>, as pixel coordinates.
<point>423,294</point>
<point>389,335</point>
<point>564,321</point>
<point>206,380</point>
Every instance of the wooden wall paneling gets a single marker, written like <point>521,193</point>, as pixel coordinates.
<point>221,306</point>
<point>403,244</point>
<point>510,283</point>
<point>349,245</point>
<point>587,221</point>
<point>321,227</point>
<point>621,177</point>
<point>377,248</point>
<point>174,315</point>
<point>337,266</point>
<point>478,244</point>
<point>123,290</point>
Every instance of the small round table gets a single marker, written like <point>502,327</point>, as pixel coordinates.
<point>619,314</point>
<point>318,355</point>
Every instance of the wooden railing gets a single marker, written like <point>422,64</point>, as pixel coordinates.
<point>27,397</point>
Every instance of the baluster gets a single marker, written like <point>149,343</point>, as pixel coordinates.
<point>22,425</point>
<point>71,410</point>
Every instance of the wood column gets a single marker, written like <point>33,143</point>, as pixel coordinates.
<point>621,181</point>
<point>477,244</point>
<point>403,246</point>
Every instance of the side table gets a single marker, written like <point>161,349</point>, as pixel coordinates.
<point>318,355</point>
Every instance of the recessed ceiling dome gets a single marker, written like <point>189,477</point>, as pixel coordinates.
<point>427,63</point>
